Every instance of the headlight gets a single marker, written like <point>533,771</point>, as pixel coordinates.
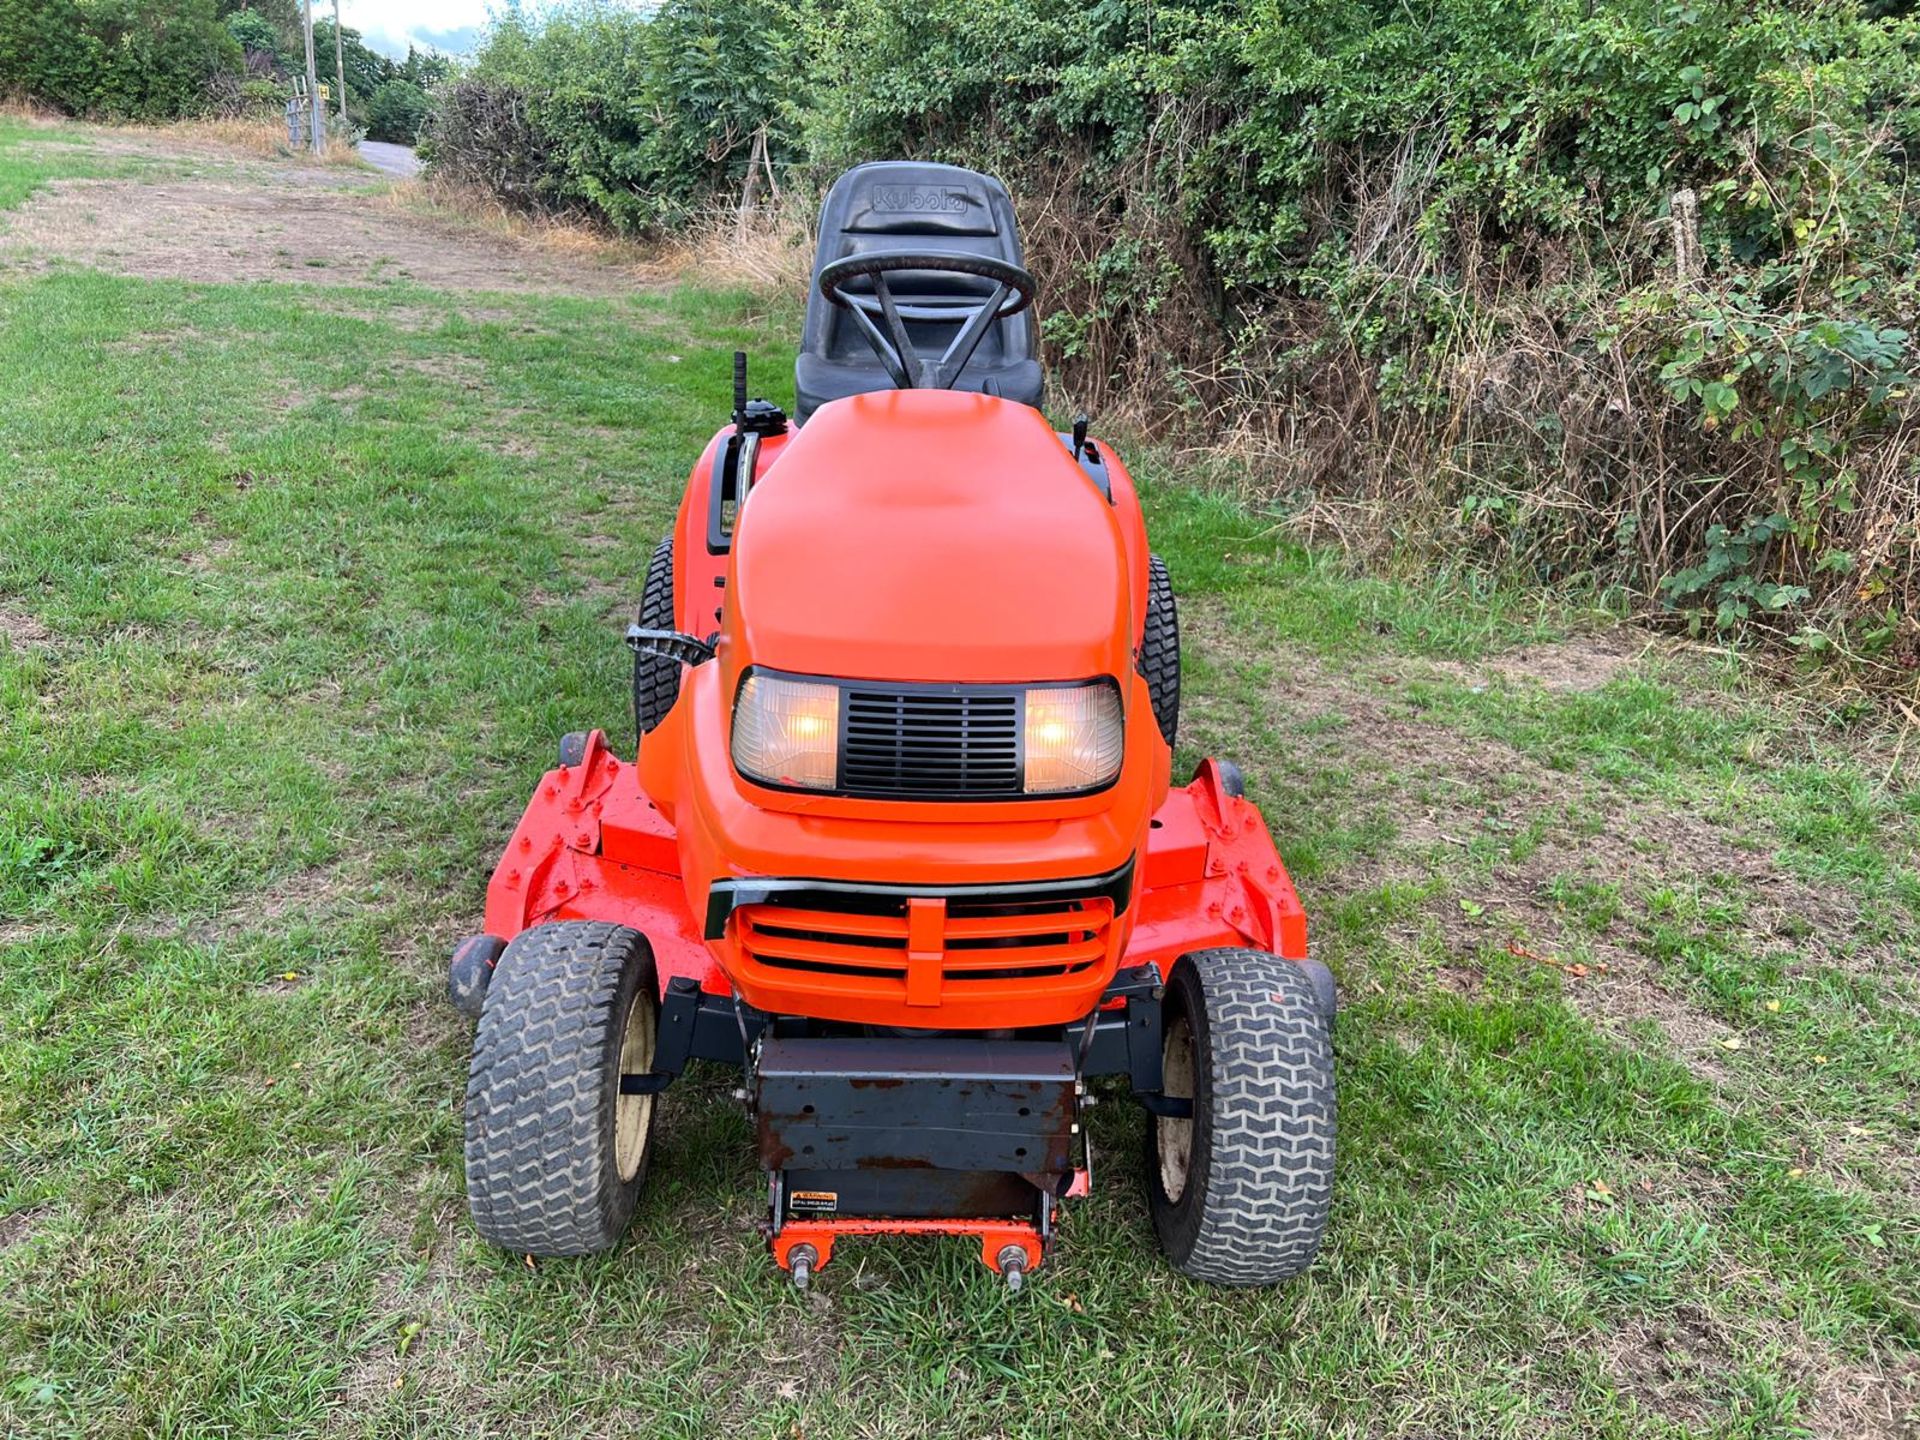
<point>1074,739</point>
<point>787,732</point>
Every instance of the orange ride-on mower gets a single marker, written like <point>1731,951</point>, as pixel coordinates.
<point>900,841</point>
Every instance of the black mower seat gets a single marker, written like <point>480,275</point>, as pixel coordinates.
<point>907,205</point>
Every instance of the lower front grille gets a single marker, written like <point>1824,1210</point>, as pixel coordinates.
<point>931,744</point>
<point>956,943</point>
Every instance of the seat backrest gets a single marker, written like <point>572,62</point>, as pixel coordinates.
<point>910,205</point>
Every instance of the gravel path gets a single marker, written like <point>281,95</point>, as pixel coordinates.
<point>397,160</point>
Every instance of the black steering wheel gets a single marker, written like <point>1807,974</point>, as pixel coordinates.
<point>1012,292</point>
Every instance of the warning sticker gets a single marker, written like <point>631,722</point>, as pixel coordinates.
<point>813,1202</point>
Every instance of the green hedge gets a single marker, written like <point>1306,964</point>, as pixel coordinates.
<point>1426,260</point>
<point>638,120</point>
<point>116,59</point>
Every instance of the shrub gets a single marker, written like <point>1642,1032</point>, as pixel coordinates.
<point>639,120</point>
<point>127,59</point>
<point>479,135</point>
<point>396,112</point>
<point>255,36</point>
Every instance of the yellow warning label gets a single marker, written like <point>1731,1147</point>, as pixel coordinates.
<point>813,1202</point>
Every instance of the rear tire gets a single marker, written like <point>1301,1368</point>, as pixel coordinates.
<point>555,1154</point>
<point>1240,1192</point>
<point>656,680</point>
<point>1160,649</point>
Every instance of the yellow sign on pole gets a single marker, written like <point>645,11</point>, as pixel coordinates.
<point>324,90</point>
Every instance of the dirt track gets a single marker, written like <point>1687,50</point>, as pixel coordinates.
<point>222,217</point>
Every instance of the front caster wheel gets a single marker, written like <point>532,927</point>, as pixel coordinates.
<point>555,1153</point>
<point>1240,1191</point>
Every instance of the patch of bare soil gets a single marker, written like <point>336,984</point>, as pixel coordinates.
<point>18,1227</point>
<point>1581,662</point>
<point>311,894</point>
<point>1671,1366</point>
<point>1864,1402</point>
<point>1443,790</point>
<point>1682,1366</point>
<point>24,631</point>
<point>289,224</point>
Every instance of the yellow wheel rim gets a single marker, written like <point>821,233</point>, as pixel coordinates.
<point>633,1113</point>
<point>1176,1080</point>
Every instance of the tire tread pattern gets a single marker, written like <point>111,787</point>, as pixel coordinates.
<point>656,679</point>
<point>1160,648</point>
<point>541,1174</point>
<point>1270,1088</point>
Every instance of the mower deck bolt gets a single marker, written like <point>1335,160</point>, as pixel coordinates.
<point>1013,1266</point>
<point>801,1260</point>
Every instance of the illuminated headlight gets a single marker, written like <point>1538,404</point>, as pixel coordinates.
<point>1074,739</point>
<point>787,732</point>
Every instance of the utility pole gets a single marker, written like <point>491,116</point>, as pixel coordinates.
<point>339,64</point>
<point>316,117</point>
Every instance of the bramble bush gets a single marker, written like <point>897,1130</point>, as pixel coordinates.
<point>1616,292</point>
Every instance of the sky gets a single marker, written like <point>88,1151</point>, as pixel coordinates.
<point>389,26</point>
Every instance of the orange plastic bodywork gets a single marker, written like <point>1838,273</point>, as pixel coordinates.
<point>593,846</point>
<point>930,536</point>
<point>951,532</point>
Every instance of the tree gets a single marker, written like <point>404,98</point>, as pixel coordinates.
<point>425,68</point>
<point>366,70</point>
<point>396,112</point>
<point>255,35</point>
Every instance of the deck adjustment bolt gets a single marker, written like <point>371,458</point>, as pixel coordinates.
<point>801,1261</point>
<point>1013,1267</point>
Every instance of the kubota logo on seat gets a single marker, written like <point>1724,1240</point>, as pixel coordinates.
<point>902,198</point>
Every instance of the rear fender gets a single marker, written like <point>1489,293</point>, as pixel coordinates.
<point>1133,534</point>
<point>699,568</point>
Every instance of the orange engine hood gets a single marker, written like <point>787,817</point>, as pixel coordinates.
<point>929,535</point>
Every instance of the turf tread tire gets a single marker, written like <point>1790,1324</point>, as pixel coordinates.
<point>1260,1179</point>
<point>656,679</point>
<point>1160,648</point>
<point>542,1177</point>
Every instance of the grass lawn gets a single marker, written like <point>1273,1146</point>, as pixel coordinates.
<point>299,583</point>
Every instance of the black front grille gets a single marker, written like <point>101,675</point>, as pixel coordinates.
<point>930,744</point>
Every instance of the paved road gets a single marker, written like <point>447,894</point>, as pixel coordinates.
<point>394,159</point>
